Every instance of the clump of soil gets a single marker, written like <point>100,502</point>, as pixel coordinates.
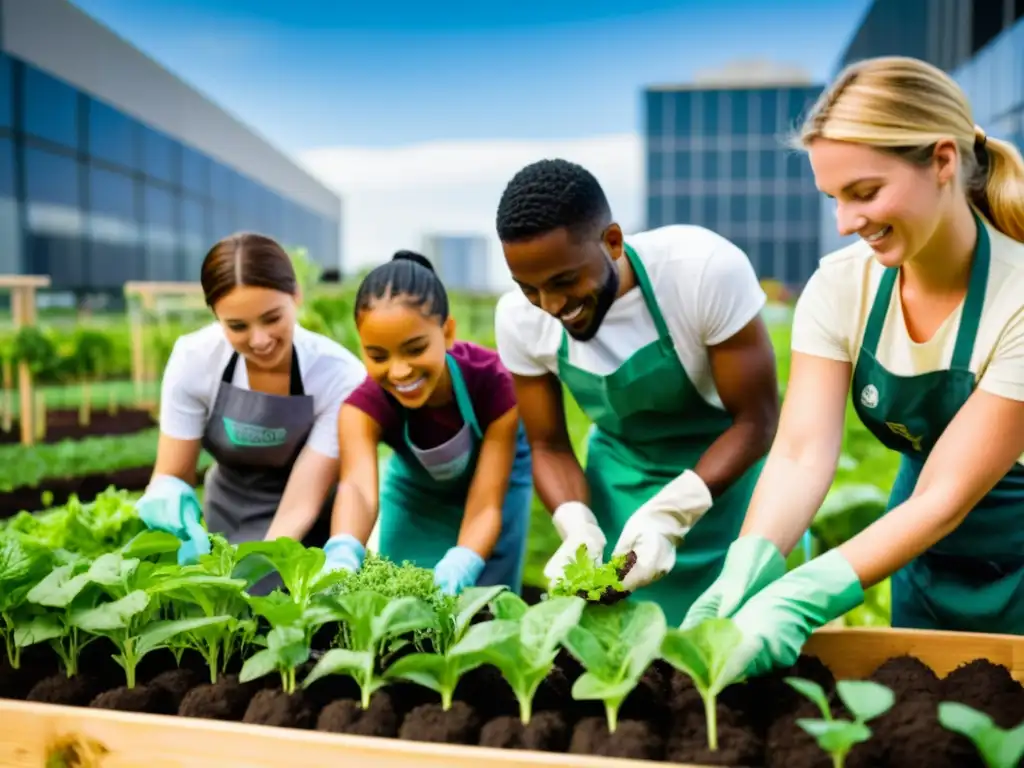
<point>347,716</point>
<point>227,699</point>
<point>75,691</point>
<point>546,732</point>
<point>987,687</point>
<point>909,676</point>
<point>633,739</point>
<point>428,722</point>
<point>486,691</point>
<point>738,743</point>
<point>910,736</point>
<point>176,683</point>
<point>762,700</point>
<point>787,745</point>
<point>272,706</point>
<point>151,699</point>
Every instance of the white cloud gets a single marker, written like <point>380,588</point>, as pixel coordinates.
<point>394,197</point>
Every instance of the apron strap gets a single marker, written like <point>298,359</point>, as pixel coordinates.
<point>974,303</point>
<point>295,385</point>
<point>462,398</point>
<point>879,309</point>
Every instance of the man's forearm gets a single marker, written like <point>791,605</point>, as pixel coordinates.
<point>734,452</point>
<point>558,476</point>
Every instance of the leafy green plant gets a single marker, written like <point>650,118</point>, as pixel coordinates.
<point>704,653</point>
<point>371,620</point>
<point>442,670</point>
<point>523,642</point>
<point>20,570</point>
<point>301,568</point>
<point>615,644</point>
<point>998,747</point>
<point>865,700</point>
<point>582,577</point>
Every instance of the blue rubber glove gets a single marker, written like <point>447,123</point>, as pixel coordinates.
<point>777,621</point>
<point>344,552</point>
<point>171,505</point>
<point>751,564</point>
<point>459,568</point>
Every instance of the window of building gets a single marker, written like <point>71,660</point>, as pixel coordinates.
<point>161,238</point>
<point>768,160</point>
<point>682,106</point>
<point>766,210</point>
<point>738,165</point>
<point>50,108</point>
<point>712,166</point>
<point>654,211</point>
<point>6,167</point>
<point>10,226</point>
<point>654,110</point>
<point>161,156</point>
<point>683,166</point>
<point>195,236</point>
<point>55,226</point>
<point>195,172</point>
<point>113,229</point>
<point>739,113</point>
<point>273,215</point>
<point>768,112</point>
<point>6,91</point>
<point>739,209</point>
<point>113,136</point>
<point>710,124</point>
<point>222,221</point>
<point>223,181</point>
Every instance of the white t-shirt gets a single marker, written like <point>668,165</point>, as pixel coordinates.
<point>706,289</point>
<point>832,312</point>
<point>193,373</point>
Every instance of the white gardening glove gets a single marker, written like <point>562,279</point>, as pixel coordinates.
<point>576,525</point>
<point>655,530</point>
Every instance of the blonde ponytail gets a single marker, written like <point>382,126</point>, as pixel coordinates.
<point>905,106</point>
<point>1000,193</point>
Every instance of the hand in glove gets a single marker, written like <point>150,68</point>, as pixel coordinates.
<point>777,621</point>
<point>459,568</point>
<point>344,552</point>
<point>751,564</point>
<point>655,530</point>
<point>171,505</point>
<point>576,525</point>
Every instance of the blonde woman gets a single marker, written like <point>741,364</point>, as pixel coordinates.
<point>922,321</point>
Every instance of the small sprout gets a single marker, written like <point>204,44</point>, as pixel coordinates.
<point>864,699</point>
<point>999,748</point>
<point>582,577</point>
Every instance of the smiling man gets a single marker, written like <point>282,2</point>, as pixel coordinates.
<point>659,340</point>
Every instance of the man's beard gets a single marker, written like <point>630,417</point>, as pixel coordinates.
<point>605,298</point>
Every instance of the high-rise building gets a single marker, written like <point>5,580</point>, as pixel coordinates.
<point>461,261</point>
<point>979,42</point>
<point>717,156</point>
<point>112,169</point>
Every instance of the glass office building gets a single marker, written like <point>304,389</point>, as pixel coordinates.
<point>979,42</point>
<point>716,156</point>
<point>112,169</point>
<point>461,261</point>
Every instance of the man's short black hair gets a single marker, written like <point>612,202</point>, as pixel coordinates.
<point>549,195</point>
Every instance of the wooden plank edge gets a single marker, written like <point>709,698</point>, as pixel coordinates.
<point>29,732</point>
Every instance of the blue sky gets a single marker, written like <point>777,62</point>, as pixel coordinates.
<point>326,73</point>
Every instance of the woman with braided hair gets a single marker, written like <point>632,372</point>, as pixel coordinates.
<point>922,321</point>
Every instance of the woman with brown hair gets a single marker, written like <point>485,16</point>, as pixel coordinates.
<point>261,394</point>
<point>922,322</point>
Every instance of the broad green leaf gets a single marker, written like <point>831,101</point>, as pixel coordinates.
<point>835,736</point>
<point>470,602</point>
<point>703,652</point>
<point>158,633</point>
<point>426,669</point>
<point>60,586</point>
<point>486,636</point>
<point>149,543</point>
<point>508,605</point>
<point>38,630</point>
<point>545,624</point>
<point>111,616</point>
<point>865,699</point>
<point>999,748</point>
<point>340,661</point>
<point>400,616</point>
<point>812,691</point>
<point>258,665</point>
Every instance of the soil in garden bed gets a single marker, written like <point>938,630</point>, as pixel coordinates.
<point>63,425</point>
<point>87,488</point>
<point>662,720</point>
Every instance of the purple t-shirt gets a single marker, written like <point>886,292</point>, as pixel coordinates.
<point>490,388</point>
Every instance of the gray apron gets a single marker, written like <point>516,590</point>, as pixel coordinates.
<point>255,438</point>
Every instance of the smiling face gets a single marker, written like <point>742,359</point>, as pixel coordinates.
<point>404,349</point>
<point>895,205</point>
<point>572,279</point>
<point>259,323</point>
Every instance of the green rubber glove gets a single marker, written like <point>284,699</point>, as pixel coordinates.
<point>171,505</point>
<point>751,564</point>
<point>777,621</point>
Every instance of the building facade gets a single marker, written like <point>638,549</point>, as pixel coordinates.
<point>461,261</point>
<point>717,156</point>
<point>112,169</point>
<point>979,42</point>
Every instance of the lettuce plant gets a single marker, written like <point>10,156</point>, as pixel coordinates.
<point>301,568</point>
<point>522,642</point>
<point>615,644</point>
<point>864,699</point>
<point>595,582</point>
<point>20,570</point>
<point>371,620</point>
<point>442,670</point>
<point>998,747</point>
<point>704,653</point>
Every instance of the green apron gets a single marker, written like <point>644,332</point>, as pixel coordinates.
<point>973,579</point>
<point>650,425</point>
<point>423,498</point>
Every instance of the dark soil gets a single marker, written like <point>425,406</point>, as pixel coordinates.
<point>63,424</point>
<point>86,487</point>
<point>661,720</point>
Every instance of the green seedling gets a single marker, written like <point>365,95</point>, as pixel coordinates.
<point>594,582</point>
<point>615,644</point>
<point>998,747</point>
<point>865,700</point>
<point>705,654</point>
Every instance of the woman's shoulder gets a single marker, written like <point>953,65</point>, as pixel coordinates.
<point>478,359</point>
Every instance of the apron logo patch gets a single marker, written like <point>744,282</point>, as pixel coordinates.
<point>252,435</point>
<point>902,431</point>
<point>869,396</point>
